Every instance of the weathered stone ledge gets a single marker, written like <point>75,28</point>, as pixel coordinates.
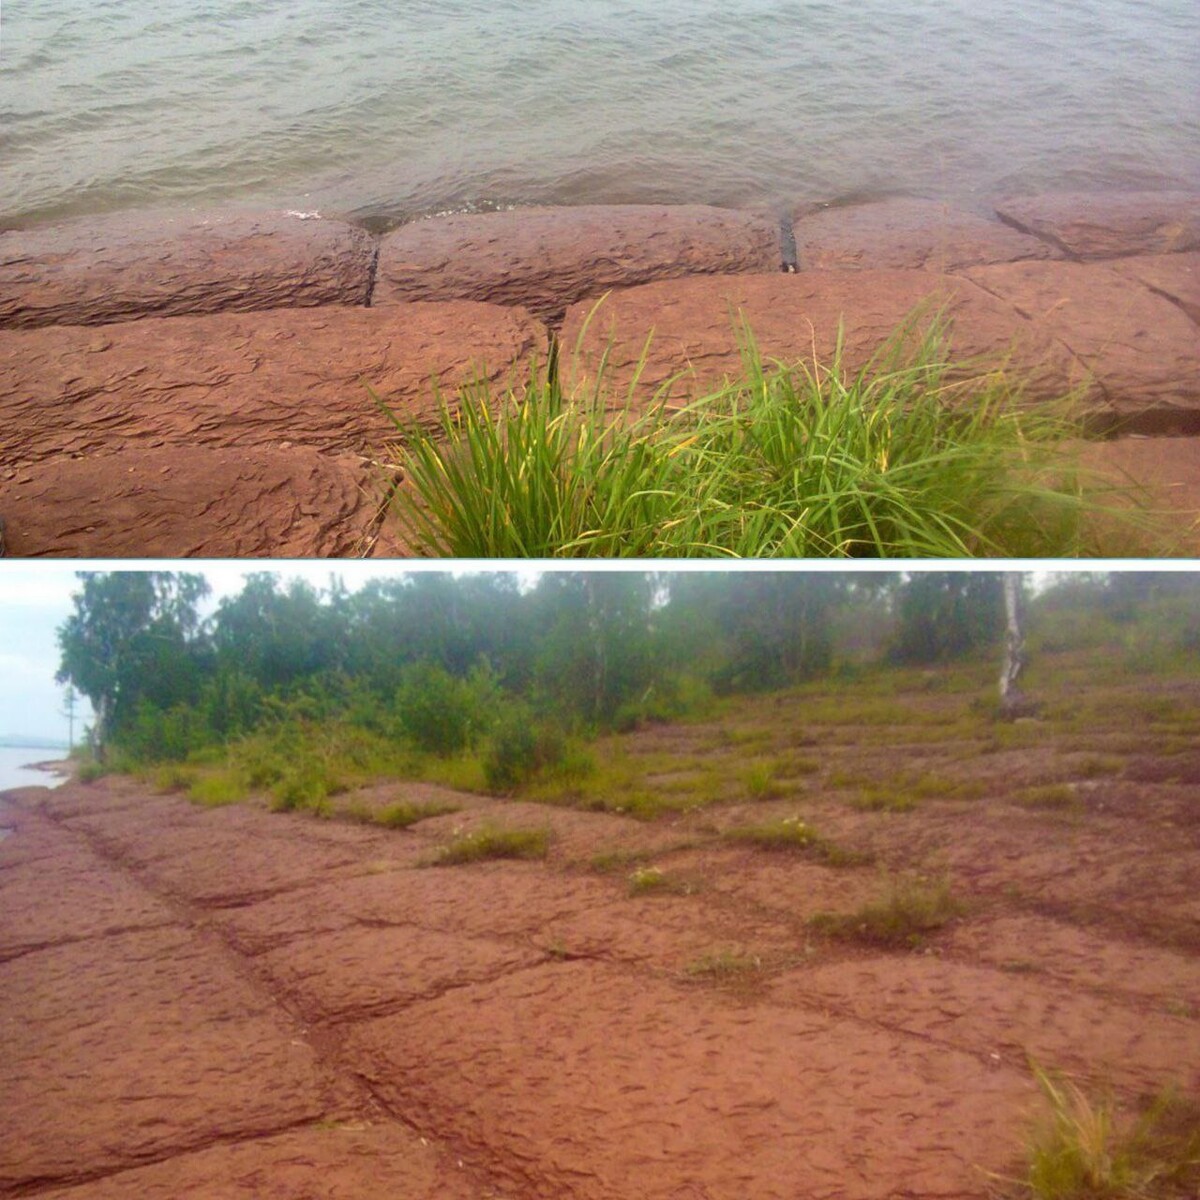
<point>195,384</point>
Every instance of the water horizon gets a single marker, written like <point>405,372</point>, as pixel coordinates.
<point>381,114</point>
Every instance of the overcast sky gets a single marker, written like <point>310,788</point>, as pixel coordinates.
<point>35,599</point>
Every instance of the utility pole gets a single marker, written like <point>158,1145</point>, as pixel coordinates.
<point>69,699</point>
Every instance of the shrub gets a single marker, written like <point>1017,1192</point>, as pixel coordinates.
<point>442,714</point>
<point>521,748</point>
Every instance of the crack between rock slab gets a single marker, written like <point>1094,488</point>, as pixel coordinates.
<point>1030,319</point>
<point>35,1185</point>
<point>789,261</point>
<point>372,276</point>
<point>23,951</point>
<point>1048,238</point>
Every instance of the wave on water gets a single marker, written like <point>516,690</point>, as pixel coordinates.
<point>395,110</point>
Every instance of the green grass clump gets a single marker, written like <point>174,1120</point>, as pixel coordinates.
<point>788,460</point>
<point>910,909</point>
<point>724,966</point>
<point>794,835</point>
<point>609,862</point>
<point>1054,796</point>
<point>760,781</point>
<point>490,841</point>
<point>883,799</point>
<point>655,881</point>
<point>400,815</point>
<point>1084,1151</point>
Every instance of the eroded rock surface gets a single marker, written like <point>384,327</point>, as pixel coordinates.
<point>1139,346</point>
<point>547,258</point>
<point>909,234</point>
<point>130,265</point>
<point>249,379</point>
<point>1109,224</point>
<point>694,326</point>
<point>175,501</point>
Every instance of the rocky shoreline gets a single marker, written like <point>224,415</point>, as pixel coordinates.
<point>197,385</point>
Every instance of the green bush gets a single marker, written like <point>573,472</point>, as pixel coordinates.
<point>442,714</point>
<point>521,748</point>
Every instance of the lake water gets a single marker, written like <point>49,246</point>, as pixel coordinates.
<point>390,108</point>
<point>15,772</point>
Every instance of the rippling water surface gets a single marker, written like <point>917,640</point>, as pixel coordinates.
<point>388,108</point>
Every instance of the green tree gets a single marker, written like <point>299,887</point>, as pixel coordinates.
<point>134,637</point>
<point>943,615</point>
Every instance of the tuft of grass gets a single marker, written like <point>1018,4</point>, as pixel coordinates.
<point>760,781</point>
<point>910,909</point>
<point>655,881</point>
<point>1085,1151</point>
<point>490,841</point>
<point>609,862</point>
<point>1054,796</point>
<point>724,966</point>
<point>905,458</point>
<point>794,835</point>
<point>883,799</point>
<point>400,815</point>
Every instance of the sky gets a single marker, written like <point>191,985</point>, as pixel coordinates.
<point>36,598</point>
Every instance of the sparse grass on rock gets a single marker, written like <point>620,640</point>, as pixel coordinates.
<point>399,815</point>
<point>490,841</point>
<point>791,834</point>
<point>1086,1149</point>
<point>910,909</point>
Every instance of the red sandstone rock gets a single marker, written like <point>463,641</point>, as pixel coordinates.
<point>547,258</point>
<point>327,1159</point>
<point>908,234</point>
<point>248,379</point>
<point>144,1044</point>
<point>1175,276</point>
<point>1141,349</point>
<point>694,325</point>
<point>1169,470</point>
<point>1109,224</point>
<point>177,501</point>
<point>98,270</point>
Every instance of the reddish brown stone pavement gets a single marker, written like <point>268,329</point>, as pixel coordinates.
<point>223,1003</point>
<point>198,384</point>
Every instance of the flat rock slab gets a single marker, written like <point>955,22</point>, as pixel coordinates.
<point>297,376</point>
<point>912,234</point>
<point>1082,958</point>
<point>1138,346</point>
<point>547,258</point>
<point>331,1160</point>
<point>1175,276</point>
<point>91,900</point>
<point>178,501</point>
<point>145,1044</point>
<point>1014,1016</point>
<point>506,901</point>
<point>358,972</point>
<point>1169,470</point>
<point>117,268</point>
<point>695,325</point>
<point>1109,224</point>
<point>587,1082</point>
